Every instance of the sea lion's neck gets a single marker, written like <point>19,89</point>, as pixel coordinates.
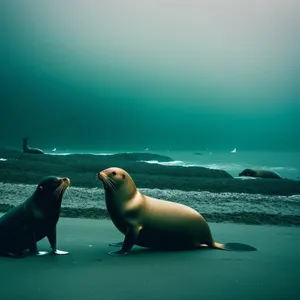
<point>119,201</point>
<point>121,208</point>
<point>49,208</point>
<point>118,197</point>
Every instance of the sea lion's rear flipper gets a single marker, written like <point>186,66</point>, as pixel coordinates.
<point>233,247</point>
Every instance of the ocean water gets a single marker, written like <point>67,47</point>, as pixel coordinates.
<point>286,164</point>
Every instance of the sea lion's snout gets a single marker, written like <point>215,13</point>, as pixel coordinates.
<point>102,176</point>
<point>66,181</point>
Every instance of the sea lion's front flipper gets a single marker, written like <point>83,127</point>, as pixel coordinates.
<point>118,244</point>
<point>129,241</point>
<point>60,252</point>
<point>42,253</point>
<point>33,247</point>
<point>52,240</point>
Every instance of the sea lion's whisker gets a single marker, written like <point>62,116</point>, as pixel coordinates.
<point>112,183</point>
<point>109,184</point>
<point>56,192</point>
<point>106,184</point>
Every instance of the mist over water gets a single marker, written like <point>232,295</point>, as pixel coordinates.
<point>168,75</point>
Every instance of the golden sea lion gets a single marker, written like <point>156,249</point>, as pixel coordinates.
<point>154,223</point>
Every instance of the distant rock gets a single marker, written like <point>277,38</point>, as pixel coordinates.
<point>198,153</point>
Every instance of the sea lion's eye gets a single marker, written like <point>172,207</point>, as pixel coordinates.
<point>114,173</point>
<point>124,176</point>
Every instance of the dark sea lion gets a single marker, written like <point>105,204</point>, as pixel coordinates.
<point>259,173</point>
<point>27,149</point>
<point>26,224</point>
<point>154,223</point>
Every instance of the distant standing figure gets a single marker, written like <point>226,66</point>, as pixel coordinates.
<point>27,149</point>
<point>260,173</point>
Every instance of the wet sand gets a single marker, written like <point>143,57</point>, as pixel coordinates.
<point>90,273</point>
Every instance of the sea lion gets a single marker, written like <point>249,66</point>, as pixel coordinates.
<point>27,149</point>
<point>154,223</point>
<point>26,224</point>
<point>259,173</point>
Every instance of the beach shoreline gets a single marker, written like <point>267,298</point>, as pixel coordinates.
<point>82,169</point>
<point>214,193</point>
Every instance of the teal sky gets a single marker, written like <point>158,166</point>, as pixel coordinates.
<point>158,74</point>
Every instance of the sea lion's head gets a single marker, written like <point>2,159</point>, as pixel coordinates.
<point>51,188</point>
<point>117,181</point>
<point>248,172</point>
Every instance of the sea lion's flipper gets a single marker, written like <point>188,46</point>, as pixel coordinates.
<point>33,245</point>
<point>118,244</point>
<point>60,252</point>
<point>42,253</point>
<point>52,240</point>
<point>129,241</point>
<point>233,247</point>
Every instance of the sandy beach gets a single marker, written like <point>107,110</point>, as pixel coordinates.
<point>88,272</point>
